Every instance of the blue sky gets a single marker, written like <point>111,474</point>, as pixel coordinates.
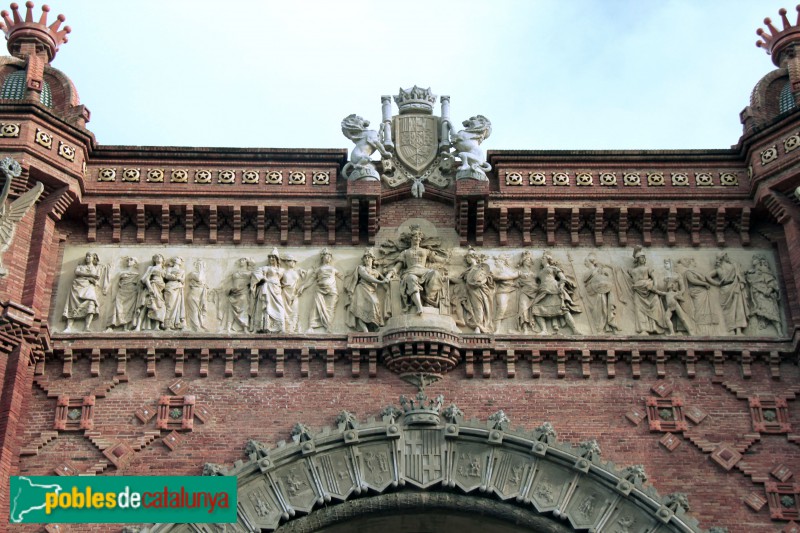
<point>611,74</point>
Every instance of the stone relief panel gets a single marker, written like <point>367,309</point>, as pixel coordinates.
<point>417,279</point>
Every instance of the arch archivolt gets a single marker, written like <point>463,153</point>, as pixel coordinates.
<point>429,448</point>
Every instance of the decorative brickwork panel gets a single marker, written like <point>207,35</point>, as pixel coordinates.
<point>725,456</point>
<point>770,415</point>
<point>74,414</point>
<point>666,414</point>
<point>120,454</point>
<point>782,499</point>
<point>176,413</point>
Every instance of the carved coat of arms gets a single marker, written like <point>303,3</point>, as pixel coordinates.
<point>416,146</point>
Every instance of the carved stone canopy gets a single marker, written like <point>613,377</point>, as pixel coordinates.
<point>430,448</point>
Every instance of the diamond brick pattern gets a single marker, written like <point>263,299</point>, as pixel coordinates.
<point>725,456</point>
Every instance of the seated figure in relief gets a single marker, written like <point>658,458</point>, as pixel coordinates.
<point>416,260</point>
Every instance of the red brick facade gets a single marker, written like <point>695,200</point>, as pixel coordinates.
<point>715,417</point>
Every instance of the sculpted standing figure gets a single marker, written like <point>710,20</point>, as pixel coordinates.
<point>764,294</point>
<point>479,288</point>
<point>553,298</point>
<point>326,295</point>
<point>367,142</point>
<point>238,297</point>
<point>698,288</point>
<point>674,300</point>
<point>196,301</point>
<point>364,309</point>
<point>174,302</point>
<point>269,315</point>
<point>527,291</point>
<point>292,279</point>
<point>648,309</point>
<point>82,302</point>
<point>505,289</point>
<point>414,260</point>
<point>603,295</point>
<point>11,214</point>
<point>126,295</point>
<point>150,309</point>
<point>728,277</point>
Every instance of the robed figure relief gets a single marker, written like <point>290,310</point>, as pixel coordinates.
<point>505,290</point>
<point>326,293</point>
<point>416,261</point>
<point>649,315</point>
<point>292,281</point>
<point>552,298</point>
<point>125,295</point>
<point>479,288</point>
<point>269,313</point>
<point>174,298</point>
<point>698,288</point>
<point>603,295</point>
<point>764,294</point>
<point>196,297</point>
<point>364,306</point>
<point>234,301</point>
<point>151,310</point>
<point>83,302</point>
<point>732,293</point>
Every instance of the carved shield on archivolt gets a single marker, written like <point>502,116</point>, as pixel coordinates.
<point>416,139</point>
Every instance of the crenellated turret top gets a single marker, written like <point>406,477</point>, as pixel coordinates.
<point>30,36</point>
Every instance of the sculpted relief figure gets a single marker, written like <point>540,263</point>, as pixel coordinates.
<point>197,297</point>
<point>764,294</point>
<point>505,290</point>
<point>648,309</point>
<point>479,293</point>
<point>603,295</point>
<point>83,302</point>
<point>236,314</point>
<point>528,286</point>
<point>174,301</point>
<point>732,296</point>
<point>269,314</point>
<point>151,310</point>
<point>11,214</point>
<point>292,280</point>
<point>326,294</point>
<point>553,297</point>
<point>698,288</point>
<point>674,300</point>
<point>364,309</point>
<point>125,295</point>
<point>415,260</point>
<point>466,144</point>
<point>367,142</point>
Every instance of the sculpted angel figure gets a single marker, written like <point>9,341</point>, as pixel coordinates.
<point>732,292</point>
<point>764,294</point>
<point>467,146</point>
<point>82,301</point>
<point>269,314</point>
<point>367,142</point>
<point>326,295</point>
<point>415,260</point>
<point>125,295</point>
<point>364,309</point>
<point>12,213</point>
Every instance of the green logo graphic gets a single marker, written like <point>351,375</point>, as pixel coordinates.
<point>120,499</point>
